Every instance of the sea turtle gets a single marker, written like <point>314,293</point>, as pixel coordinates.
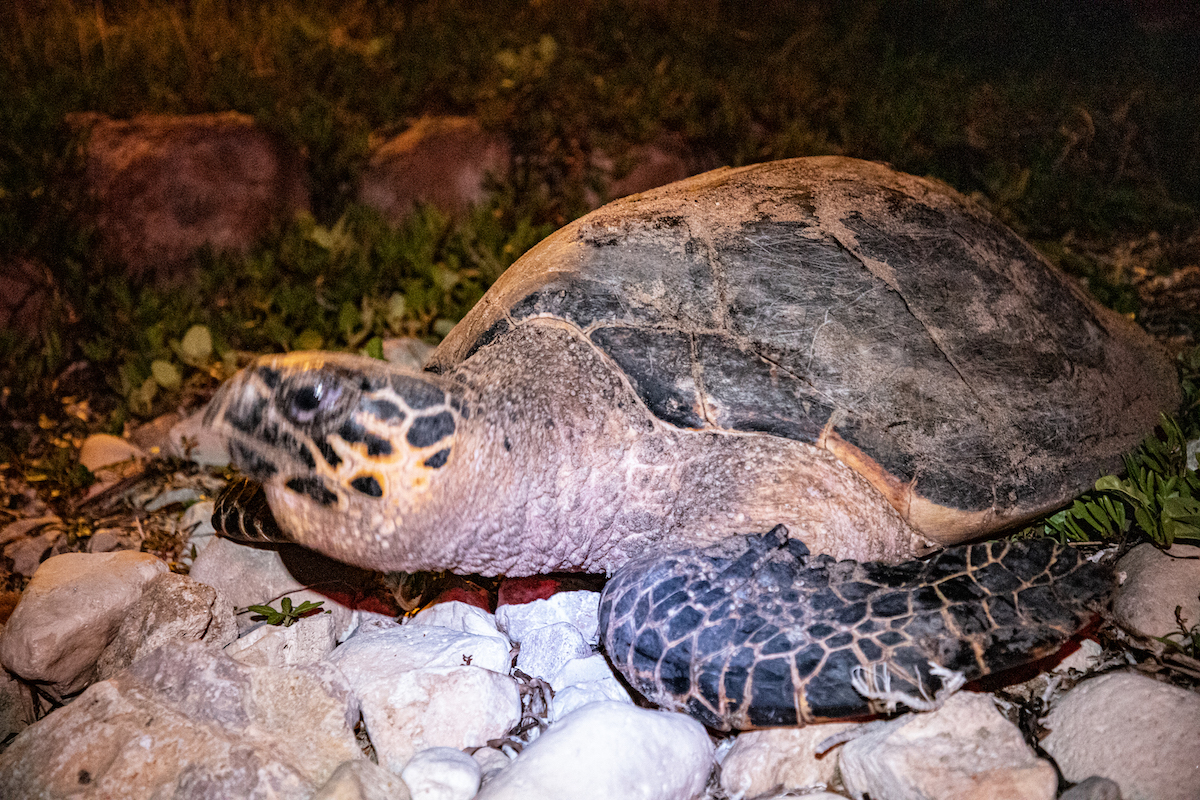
<point>861,362</point>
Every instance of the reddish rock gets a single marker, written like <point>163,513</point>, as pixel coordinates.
<point>167,185</point>
<point>442,161</point>
<point>648,166</point>
<point>25,292</point>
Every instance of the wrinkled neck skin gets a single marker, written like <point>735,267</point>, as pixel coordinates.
<point>560,467</point>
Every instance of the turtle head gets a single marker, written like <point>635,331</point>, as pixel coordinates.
<point>349,449</point>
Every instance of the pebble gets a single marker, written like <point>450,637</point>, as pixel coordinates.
<point>1131,729</point>
<point>442,773</point>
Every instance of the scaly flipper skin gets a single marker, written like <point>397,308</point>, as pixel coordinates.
<point>753,632</point>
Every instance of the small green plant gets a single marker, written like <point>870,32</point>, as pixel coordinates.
<point>1188,637</point>
<point>287,615</point>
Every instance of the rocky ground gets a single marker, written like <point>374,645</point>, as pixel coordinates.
<point>135,667</point>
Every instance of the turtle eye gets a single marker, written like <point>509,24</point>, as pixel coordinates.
<point>304,403</point>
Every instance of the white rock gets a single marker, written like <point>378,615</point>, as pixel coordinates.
<point>248,576</point>
<point>172,609</point>
<point>1155,583</point>
<point>610,750</point>
<point>361,779</point>
<point>456,707</point>
<point>491,761</point>
<point>965,750</point>
<point>582,681</point>
<point>186,721</point>
<point>779,759</point>
<point>580,609</point>
<point>442,773</point>
<point>393,650</point>
<point>459,616</point>
<point>546,650</point>
<point>69,613</point>
<point>305,641</point>
<point>1132,729</point>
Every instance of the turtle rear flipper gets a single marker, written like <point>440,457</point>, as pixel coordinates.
<point>753,632</point>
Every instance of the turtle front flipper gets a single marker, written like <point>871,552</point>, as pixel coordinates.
<point>241,513</point>
<point>753,632</point>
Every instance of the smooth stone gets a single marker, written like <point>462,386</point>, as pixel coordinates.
<point>186,721</point>
<point>103,450</point>
<point>609,750</point>
<point>1094,788</point>
<point>773,760</point>
<point>966,750</point>
<point>1141,733</point>
<point>173,608</point>
<point>69,612</point>
<point>362,780</point>
<point>17,709</point>
<point>1155,583</point>
<point>442,773</point>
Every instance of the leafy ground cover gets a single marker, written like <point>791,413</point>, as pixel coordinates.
<point>1077,123</point>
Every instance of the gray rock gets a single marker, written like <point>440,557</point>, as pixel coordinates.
<point>1155,583</point>
<point>248,576</point>
<point>362,780</point>
<point>186,721</point>
<point>17,710</point>
<point>69,613</point>
<point>305,641</point>
<point>173,608</point>
<point>1131,729</point>
<point>965,749</point>
<point>1094,788</point>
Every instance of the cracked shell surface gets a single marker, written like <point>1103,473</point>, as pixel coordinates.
<point>880,316</point>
